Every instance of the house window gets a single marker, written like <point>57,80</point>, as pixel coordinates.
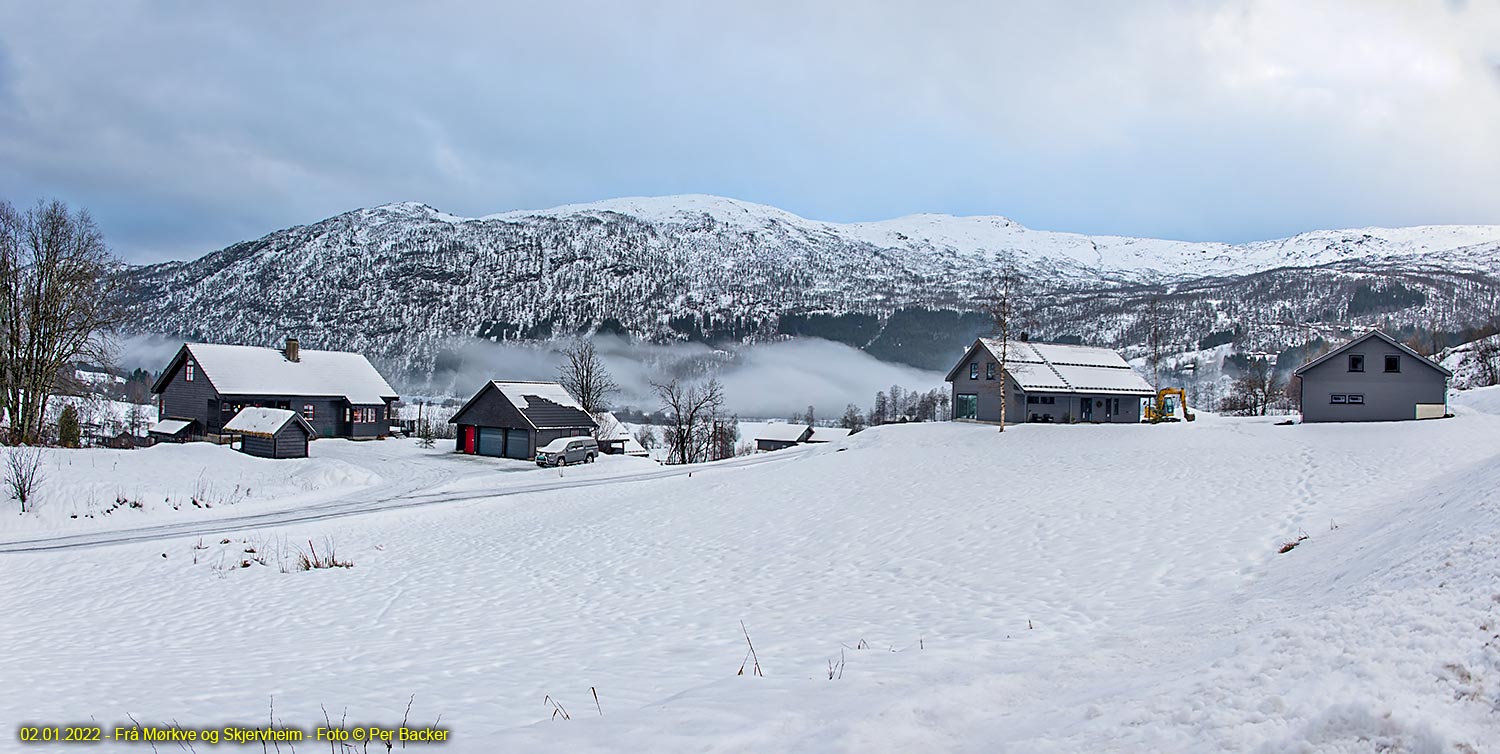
<point>973,370</point>
<point>1357,363</point>
<point>307,411</point>
<point>989,371</point>
<point>1392,363</point>
<point>966,406</point>
<point>1357,398</point>
<point>1338,398</point>
<point>349,415</point>
<point>188,373</point>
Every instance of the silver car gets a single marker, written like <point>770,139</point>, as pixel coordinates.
<point>566,450</point>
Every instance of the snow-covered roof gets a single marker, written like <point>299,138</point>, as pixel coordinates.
<point>828,434</point>
<point>264,421</point>
<point>169,426</point>
<point>1062,368</point>
<point>544,405</point>
<point>1104,380</point>
<point>782,432</point>
<point>518,392</point>
<point>254,370</point>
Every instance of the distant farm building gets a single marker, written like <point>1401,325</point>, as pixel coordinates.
<point>271,432</point>
<point>338,394</point>
<point>828,434</point>
<point>1046,382</point>
<point>513,419</point>
<point>778,436</point>
<point>1372,378</point>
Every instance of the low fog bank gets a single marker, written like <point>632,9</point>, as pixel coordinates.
<point>761,380</point>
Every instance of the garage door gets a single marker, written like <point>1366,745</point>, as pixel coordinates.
<point>517,444</point>
<point>491,442</point>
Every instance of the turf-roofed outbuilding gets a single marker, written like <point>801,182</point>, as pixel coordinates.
<point>271,432</point>
<point>513,419</point>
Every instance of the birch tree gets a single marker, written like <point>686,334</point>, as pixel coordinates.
<point>1004,308</point>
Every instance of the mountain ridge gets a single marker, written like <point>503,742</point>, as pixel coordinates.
<point>405,281</point>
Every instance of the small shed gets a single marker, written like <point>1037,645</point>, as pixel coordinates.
<point>778,436</point>
<point>271,432</point>
<point>172,430</point>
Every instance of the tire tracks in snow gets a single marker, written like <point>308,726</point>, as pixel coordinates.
<point>346,507</point>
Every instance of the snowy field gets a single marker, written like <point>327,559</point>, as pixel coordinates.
<point>1050,589</point>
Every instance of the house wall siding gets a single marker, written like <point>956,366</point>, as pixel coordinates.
<point>181,399</point>
<point>1389,396</point>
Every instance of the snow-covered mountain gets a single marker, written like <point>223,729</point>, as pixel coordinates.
<point>405,282</point>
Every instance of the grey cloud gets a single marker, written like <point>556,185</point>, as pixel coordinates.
<point>185,128</point>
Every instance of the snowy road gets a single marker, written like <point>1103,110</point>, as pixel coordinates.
<point>420,485</point>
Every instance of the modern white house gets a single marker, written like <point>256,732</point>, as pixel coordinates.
<point>1046,382</point>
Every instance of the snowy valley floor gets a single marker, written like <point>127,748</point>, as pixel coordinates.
<point>1049,589</point>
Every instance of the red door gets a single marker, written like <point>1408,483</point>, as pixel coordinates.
<point>469,439</point>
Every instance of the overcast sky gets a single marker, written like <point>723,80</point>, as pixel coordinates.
<point>187,126</point>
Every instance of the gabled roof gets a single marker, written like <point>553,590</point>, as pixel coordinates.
<point>265,422</point>
<point>1060,368</point>
<point>829,434</point>
<point>784,432</point>
<point>1382,336</point>
<point>254,370</point>
<point>544,405</point>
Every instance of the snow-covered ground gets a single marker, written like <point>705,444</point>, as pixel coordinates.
<point>1049,589</point>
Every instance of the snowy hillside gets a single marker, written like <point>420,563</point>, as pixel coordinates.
<point>409,284</point>
<point>961,598</point>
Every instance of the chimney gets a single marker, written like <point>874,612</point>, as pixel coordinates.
<point>293,350</point>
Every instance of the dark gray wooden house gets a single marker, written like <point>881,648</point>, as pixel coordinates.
<point>339,394</point>
<point>1372,378</point>
<point>271,432</point>
<point>513,419</point>
<point>1046,382</point>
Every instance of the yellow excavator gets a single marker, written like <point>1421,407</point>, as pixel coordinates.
<point>1164,408</point>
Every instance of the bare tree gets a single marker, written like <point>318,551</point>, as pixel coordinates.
<point>853,420</point>
<point>1486,356</point>
<point>811,418</point>
<point>583,374</point>
<point>1004,308</point>
<point>23,473</point>
<point>1155,337</point>
<point>691,410</point>
<point>139,395</point>
<point>55,310</point>
<point>646,436</point>
<point>1254,390</point>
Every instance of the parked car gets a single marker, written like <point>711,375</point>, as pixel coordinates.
<point>566,450</point>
